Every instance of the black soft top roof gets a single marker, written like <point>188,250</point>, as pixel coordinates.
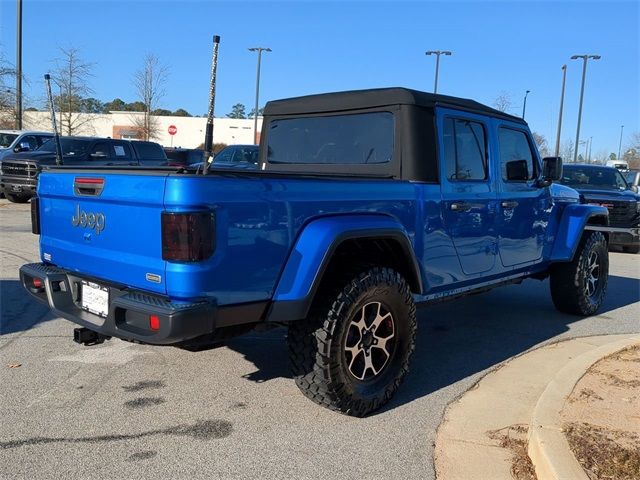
<point>377,97</point>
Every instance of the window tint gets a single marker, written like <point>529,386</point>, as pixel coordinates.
<point>29,140</point>
<point>465,150</point>
<point>101,148</point>
<point>149,151</point>
<point>70,146</point>
<point>225,155</point>
<point>516,158</point>
<point>41,139</point>
<point>235,154</point>
<point>598,178</point>
<point>6,139</point>
<point>365,138</point>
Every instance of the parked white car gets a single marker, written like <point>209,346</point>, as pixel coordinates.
<point>619,164</point>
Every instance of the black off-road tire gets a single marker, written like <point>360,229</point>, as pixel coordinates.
<point>569,281</point>
<point>17,198</point>
<point>321,362</point>
<point>631,249</point>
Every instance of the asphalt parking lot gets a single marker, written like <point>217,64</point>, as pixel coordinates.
<point>121,410</point>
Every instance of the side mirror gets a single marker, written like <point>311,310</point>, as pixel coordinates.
<point>517,170</point>
<point>23,147</point>
<point>634,188</point>
<point>552,168</point>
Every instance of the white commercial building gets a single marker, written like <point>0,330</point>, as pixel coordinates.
<point>189,130</point>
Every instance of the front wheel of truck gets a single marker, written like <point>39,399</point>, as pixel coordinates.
<point>352,352</point>
<point>578,287</point>
<point>17,198</point>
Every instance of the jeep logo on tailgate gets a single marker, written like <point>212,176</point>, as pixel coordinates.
<point>88,219</point>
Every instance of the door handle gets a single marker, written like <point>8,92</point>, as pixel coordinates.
<point>512,204</point>
<point>460,206</point>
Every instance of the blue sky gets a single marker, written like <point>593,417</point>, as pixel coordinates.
<point>325,46</point>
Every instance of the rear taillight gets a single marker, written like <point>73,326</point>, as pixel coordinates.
<point>35,215</point>
<point>187,237</point>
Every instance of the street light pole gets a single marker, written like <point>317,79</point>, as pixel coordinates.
<point>255,110</point>
<point>19,66</point>
<point>564,80</point>
<point>585,58</point>
<point>437,53</point>
<point>620,144</point>
<point>524,105</point>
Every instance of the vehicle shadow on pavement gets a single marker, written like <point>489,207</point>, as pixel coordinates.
<point>460,338</point>
<point>18,310</point>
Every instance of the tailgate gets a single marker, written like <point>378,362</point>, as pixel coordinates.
<point>104,224</point>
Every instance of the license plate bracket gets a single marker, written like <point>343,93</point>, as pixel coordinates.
<point>94,298</point>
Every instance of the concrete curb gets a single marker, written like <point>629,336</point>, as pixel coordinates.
<point>548,447</point>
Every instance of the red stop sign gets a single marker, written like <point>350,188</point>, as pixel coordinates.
<point>172,129</point>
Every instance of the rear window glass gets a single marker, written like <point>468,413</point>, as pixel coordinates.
<point>149,151</point>
<point>366,138</point>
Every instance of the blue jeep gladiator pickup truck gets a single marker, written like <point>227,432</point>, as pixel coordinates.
<point>365,204</point>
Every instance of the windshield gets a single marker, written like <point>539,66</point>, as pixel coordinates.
<point>237,154</point>
<point>598,178</point>
<point>71,147</point>
<point>6,139</point>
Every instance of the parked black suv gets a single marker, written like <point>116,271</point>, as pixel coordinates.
<point>19,171</point>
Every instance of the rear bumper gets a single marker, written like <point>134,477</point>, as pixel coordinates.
<point>129,311</point>
<point>618,236</point>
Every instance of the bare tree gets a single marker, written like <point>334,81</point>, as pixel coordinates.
<point>631,151</point>
<point>566,150</point>
<point>503,102</point>
<point>149,83</point>
<point>72,76</point>
<point>7,93</point>
<point>541,143</point>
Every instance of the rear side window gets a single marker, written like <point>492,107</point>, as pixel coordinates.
<point>101,150</point>
<point>149,151</point>
<point>465,150</point>
<point>121,151</point>
<point>366,138</point>
<point>516,157</point>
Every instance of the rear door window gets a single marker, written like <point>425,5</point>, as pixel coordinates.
<point>121,151</point>
<point>465,150</point>
<point>100,151</point>
<point>355,139</point>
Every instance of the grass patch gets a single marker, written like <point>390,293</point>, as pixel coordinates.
<point>605,454</point>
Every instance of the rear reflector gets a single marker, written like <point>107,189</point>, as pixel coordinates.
<point>37,283</point>
<point>35,215</point>
<point>154,322</point>
<point>187,237</point>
